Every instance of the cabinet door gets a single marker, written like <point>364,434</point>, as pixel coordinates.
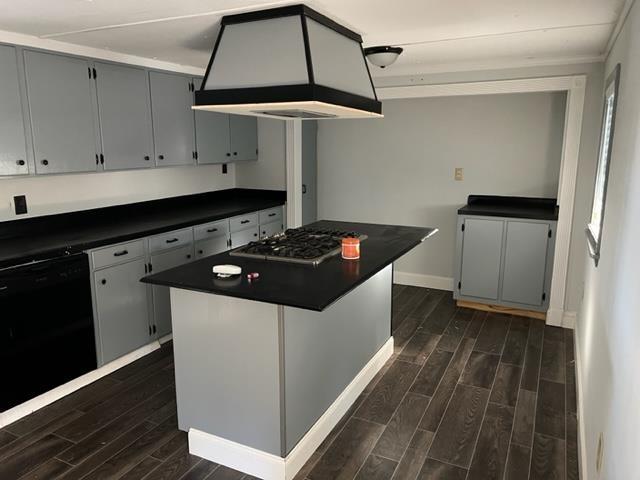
<point>212,137</point>
<point>244,137</point>
<point>13,154</point>
<point>481,255</point>
<point>525,262</point>
<point>61,101</point>
<point>173,131</point>
<point>212,246</point>
<point>270,229</point>
<point>161,300</point>
<point>121,301</point>
<point>125,117</point>
<point>243,237</point>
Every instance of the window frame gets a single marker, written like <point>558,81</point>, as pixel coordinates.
<point>594,228</point>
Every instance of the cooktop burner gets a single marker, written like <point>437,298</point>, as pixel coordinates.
<point>300,245</point>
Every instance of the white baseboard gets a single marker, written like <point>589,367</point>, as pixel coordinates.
<point>30,406</point>
<point>168,337</point>
<point>582,444</point>
<point>272,467</point>
<point>420,280</point>
<point>569,320</point>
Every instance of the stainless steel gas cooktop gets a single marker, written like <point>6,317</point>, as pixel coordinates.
<point>299,245</point>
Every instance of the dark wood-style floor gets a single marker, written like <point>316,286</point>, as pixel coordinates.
<point>467,395</point>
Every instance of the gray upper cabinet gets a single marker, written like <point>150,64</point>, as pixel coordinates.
<point>244,137</point>
<point>125,116</point>
<point>525,262</point>
<point>173,119</point>
<point>212,137</point>
<point>62,107</point>
<point>13,154</point>
<point>481,253</point>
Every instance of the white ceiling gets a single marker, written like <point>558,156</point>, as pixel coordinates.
<point>438,35</point>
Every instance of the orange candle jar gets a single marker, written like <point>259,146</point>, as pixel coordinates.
<point>350,248</point>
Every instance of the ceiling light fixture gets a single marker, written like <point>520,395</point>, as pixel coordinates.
<point>382,56</point>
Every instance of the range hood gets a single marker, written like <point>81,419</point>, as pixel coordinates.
<point>288,62</point>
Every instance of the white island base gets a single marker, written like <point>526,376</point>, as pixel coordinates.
<point>260,386</point>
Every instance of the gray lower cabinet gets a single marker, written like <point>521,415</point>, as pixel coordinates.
<point>242,237</point>
<point>173,127</point>
<point>61,98</point>
<point>270,229</point>
<point>211,246</point>
<point>244,137</point>
<point>125,116</point>
<point>13,153</point>
<point>161,300</point>
<point>505,261</point>
<point>121,305</point>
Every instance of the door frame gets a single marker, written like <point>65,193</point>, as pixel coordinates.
<point>574,86</point>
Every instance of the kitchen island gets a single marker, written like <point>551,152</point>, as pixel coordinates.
<point>266,368</point>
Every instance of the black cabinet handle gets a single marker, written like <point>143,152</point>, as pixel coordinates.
<point>146,157</point>
<point>255,234</point>
<point>45,162</point>
<point>154,329</point>
<point>150,330</point>
<point>119,254</point>
<point>161,157</point>
<point>264,232</point>
<point>172,240</point>
<point>244,221</point>
<point>103,281</point>
<point>211,230</point>
<point>20,162</point>
<point>188,256</point>
<point>200,252</point>
<point>272,214</point>
<point>228,154</point>
<point>235,153</point>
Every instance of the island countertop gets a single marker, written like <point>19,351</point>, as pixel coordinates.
<point>295,285</point>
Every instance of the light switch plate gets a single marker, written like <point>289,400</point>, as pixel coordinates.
<point>458,176</point>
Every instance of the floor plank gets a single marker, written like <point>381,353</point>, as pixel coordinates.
<point>225,473</point>
<point>388,393</point>
<point>516,343</point>
<point>456,436</point>
<point>174,467</point>
<point>572,448</point>
<point>405,332</point>
<point>493,334</point>
<point>428,304</point>
<point>429,377</point>
<point>414,457</point>
<point>377,468</point>
<point>418,349</point>
<point>142,469</point>
<point>547,458</point>
<point>480,370</point>
<point>552,366</point>
<point>401,427</point>
<point>475,325</point>
<point>435,470</point>
<point>27,459</point>
<point>490,456</point>
<point>52,468</point>
<point>439,318</point>
<point>524,418</point>
<point>550,410</point>
<point>348,452</point>
<point>518,462</point>
<point>506,386</point>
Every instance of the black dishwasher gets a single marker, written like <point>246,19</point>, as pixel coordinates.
<point>46,327</point>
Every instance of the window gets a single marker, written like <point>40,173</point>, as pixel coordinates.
<point>594,229</point>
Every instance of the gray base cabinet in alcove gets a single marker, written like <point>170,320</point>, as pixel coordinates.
<point>504,261</point>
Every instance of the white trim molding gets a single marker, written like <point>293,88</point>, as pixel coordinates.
<point>582,440</point>
<point>16,413</point>
<point>272,467</point>
<point>575,86</point>
<point>293,153</point>
<point>421,280</point>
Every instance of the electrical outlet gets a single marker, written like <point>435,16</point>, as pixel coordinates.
<point>458,176</point>
<point>599,453</point>
<point>20,204</point>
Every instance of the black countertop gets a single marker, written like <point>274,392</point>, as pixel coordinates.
<point>516,207</point>
<point>23,241</point>
<point>295,285</point>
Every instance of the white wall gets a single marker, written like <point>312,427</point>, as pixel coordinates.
<point>64,193</point>
<point>608,326</point>
<point>269,172</point>
<point>400,169</point>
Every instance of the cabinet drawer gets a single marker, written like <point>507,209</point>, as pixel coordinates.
<point>211,230</point>
<point>243,222</point>
<point>270,229</point>
<point>177,238</point>
<point>211,246</point>
<point>115,254</point>
<point>271,215</point>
